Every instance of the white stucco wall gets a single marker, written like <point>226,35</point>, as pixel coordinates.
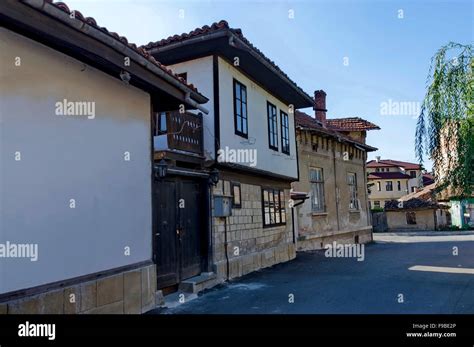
<point>257,97</point>
<point>70,157</point>
<point>200,73</point>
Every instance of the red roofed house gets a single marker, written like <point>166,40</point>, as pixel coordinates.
<point>391,179</point>
<point>332,154</point>
<point>76,222</point>
<point>249,139</point>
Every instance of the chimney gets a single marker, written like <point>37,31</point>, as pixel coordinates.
<point>320,106</point>
<point>377,158</point>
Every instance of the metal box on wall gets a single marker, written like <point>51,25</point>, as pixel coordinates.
<point>222,206</point>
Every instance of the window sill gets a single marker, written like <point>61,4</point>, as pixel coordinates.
<point>318,214</point>
<point>354,211</point>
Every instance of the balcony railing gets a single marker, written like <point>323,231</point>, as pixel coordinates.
<point>179,131</point>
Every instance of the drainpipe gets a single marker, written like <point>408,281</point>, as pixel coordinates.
<point>226,252</point>
<point>293,219</point>
<point>369,213</point>
<point>335,182</point>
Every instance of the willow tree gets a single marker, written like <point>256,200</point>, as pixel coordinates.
<point>445,128</point>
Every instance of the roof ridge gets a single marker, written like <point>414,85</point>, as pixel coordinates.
<point>217,26</point>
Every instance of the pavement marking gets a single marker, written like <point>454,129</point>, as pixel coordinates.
<point>457,270</point>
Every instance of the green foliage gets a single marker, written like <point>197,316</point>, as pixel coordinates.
<point>445,129</point>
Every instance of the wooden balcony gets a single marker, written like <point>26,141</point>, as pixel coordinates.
<point>179,132</point>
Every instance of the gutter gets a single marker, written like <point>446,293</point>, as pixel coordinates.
<point>87,29</point>
<point>193,103</point>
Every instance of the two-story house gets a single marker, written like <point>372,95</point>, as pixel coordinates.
<point>391,179</point>
<point>76,163</point>
<point>249,138</point>
<point>333,174</point>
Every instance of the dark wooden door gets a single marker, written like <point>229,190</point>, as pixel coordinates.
<point>179,235</point>
<point>190,228</point>
<point>166,238</point>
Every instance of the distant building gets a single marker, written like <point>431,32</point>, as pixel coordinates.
<point>417,211</point>
<point>391,179</point>
<point>332,155</point>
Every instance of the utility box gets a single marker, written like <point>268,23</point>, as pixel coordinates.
<point>222,206</point>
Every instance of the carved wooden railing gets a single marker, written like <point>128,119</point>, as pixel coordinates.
<point>184,132</point>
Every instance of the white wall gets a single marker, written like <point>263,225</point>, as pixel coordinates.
<point>70,157</point>
<point>257,97</point>
<point>200,73</point>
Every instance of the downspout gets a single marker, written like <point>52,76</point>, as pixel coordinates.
<point>367,206</point>
<point>293,219</point>
<point>226,252</point>
<point>335,182</point>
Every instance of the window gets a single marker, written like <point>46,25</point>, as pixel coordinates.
<point>273,203</point>
<point>285,133</point>
<point>411,217</point>
<point>317,190</point>
<point>240,109</point>
<point>377,170</point>
<point>160,123</point>
<point>377,204</point>
<point>183,75</point>
<point>399,185</point>
<point>236,195</point>
<point>412,174</point>
<point>379,188</point>
<point>352,182</point>
<point>389,186</point>
<point>413,189</point>
<point>272,126</point>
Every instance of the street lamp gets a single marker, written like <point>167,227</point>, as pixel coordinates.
<point>161,169</point>
<point>214,177</point>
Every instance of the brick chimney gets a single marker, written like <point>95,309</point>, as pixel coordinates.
<point>320,106</point>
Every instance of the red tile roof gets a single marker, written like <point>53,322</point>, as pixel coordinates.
<point>428,179</point>
<point>392,163</point>
<point>215,27</point>
<point>302,120</point>
<point>351,124</point>
<point>92,22</point>
<point>388,175</point>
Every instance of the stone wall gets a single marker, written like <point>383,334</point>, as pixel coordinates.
<point>397,220</point>
<point>337,222</point>
<point>250,246</point>
<point>129,292</point>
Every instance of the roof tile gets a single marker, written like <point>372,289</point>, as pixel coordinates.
<point>351,124</point>
<point>91,21</point>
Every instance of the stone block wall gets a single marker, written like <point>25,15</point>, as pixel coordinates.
<point>129,292</point>
<point>250,246</point>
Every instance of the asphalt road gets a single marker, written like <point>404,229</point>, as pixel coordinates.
<point>439,281</point>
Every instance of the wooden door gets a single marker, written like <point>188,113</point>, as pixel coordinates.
<point>166,238</point>
<point>190,228</point>
<point>179,237</point>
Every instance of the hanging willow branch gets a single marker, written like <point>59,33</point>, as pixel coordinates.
<point>445,128</point>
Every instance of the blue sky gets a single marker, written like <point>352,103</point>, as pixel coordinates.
<point>363,53</point>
